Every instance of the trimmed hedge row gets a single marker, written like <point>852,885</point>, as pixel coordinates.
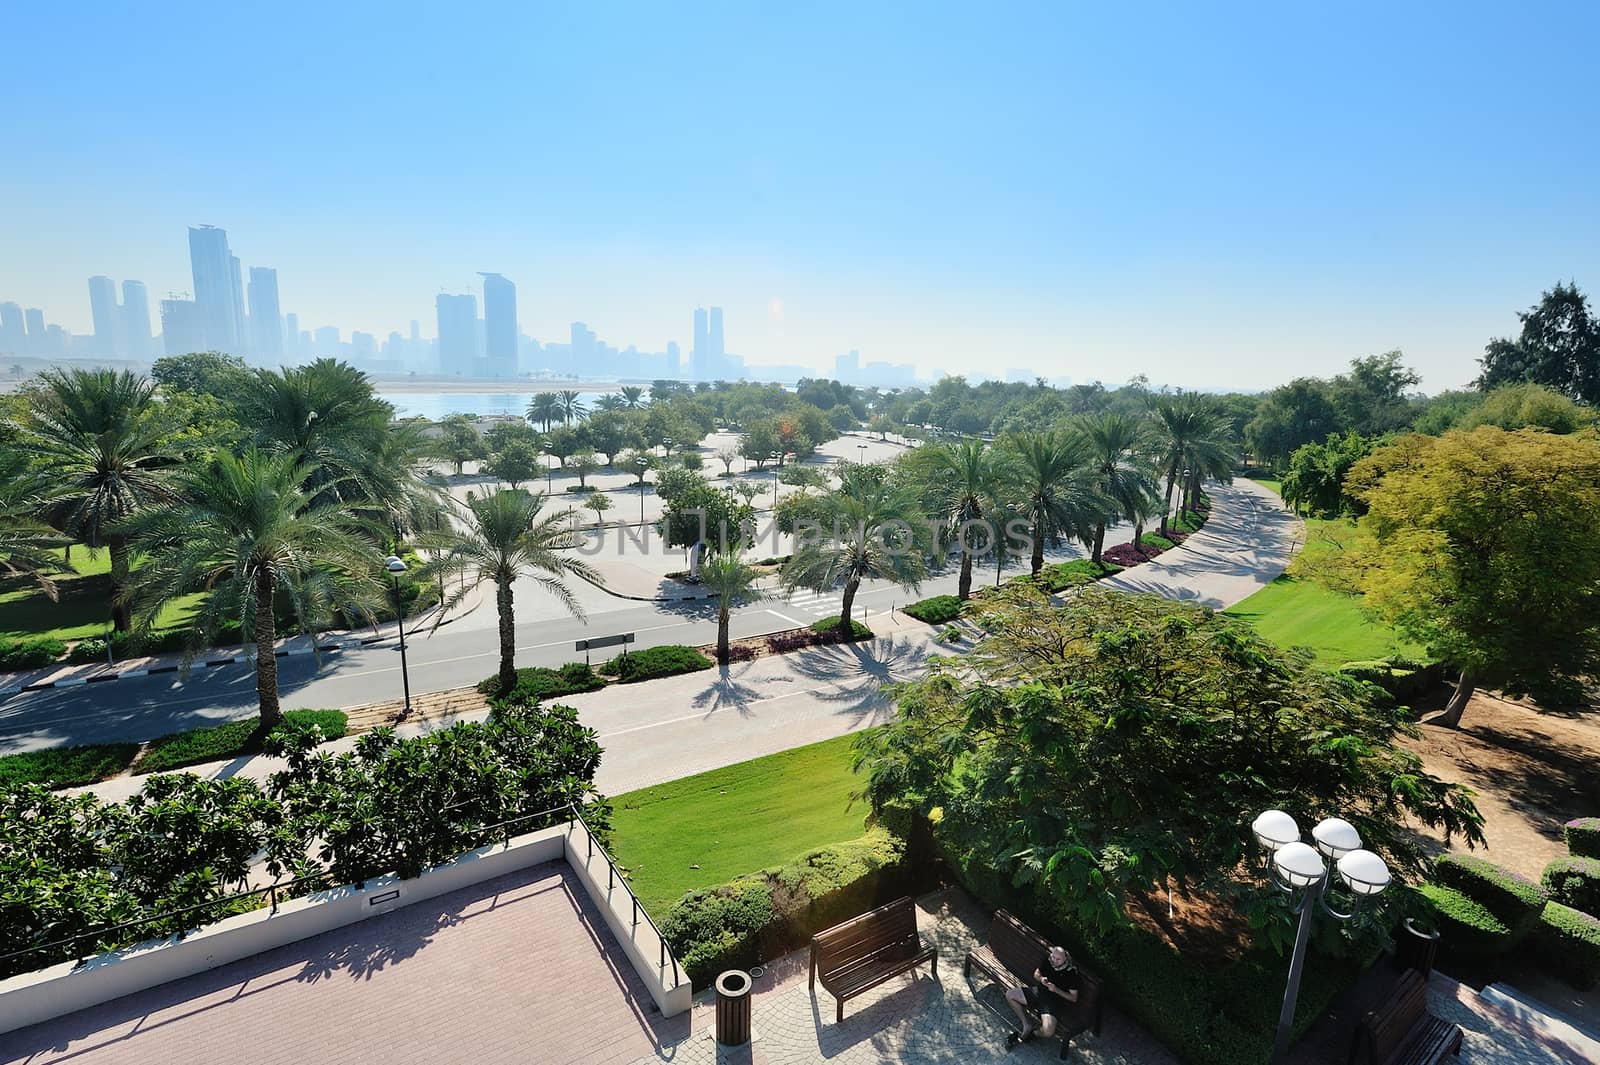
<point>1574,882</point>
<point>766,914</point>
<point>1583,837</point>
<point>67,767</point>
<point>1570,942</point>
<point>935,610</point>
<point>30,653</point>
<point>537,683</point>
<point>667,660</point>
<point>1513,899</point>
<point>1467,930</point>
<point>234,738</point>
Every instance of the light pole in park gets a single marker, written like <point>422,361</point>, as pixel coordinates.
<point>1298,868</point>
<point>776,456</point>
<point>642,464</point>
<point>666,447</point>
<point>862,448</point>
<point>396,566</point>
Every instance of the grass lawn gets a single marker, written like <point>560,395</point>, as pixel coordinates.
<point>225,741</point>
<point>1275,485</point>
<point>83,607</point>
<point>735,820</point>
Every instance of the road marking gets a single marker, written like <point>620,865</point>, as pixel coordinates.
<point>785,617</point>
<point>697,717</point>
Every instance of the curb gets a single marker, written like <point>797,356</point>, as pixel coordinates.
<point>650,598</point>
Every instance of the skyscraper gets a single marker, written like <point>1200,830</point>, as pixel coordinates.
<point>700,354</point>
<point>38,338</point>
<point>136,337</point>
<point>499,326</point>
<point>266,326</point>
<point>458,334</point>
<point>182,329</point>
<point>13,333</point>
<point>103,308</point>
<point>216,288</point>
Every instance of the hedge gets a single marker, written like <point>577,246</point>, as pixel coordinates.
<point>1467,930</point>
<point>767,914</point>
<point>1059,576</point>
<point>29,653</point>
<point>1512,898</point>
<point>1570,944</point>
<point>538,683</point>
<point>829,627</point>
<point>1404,681</point>
<point>936,610</point>
<point>1574,882</point>
<point>1583,837</point>
<point>227,741</point>
<point>665,661</point>
<point>67,767</point>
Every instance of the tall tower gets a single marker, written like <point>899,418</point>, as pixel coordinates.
<point>38,337</point>
<point>458,334</point>
<point>103,308</point>
<point>266,324</point>
<point>499,326</point>
<point>13,333</point>
<point>136,319</point>
<point>216,288</point>
<point>182,330</point>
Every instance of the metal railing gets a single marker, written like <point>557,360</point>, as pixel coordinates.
<point>318,881</point>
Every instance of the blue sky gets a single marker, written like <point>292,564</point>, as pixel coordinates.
<point>1210,194</point>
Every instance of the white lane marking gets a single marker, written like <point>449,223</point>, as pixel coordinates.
<point>785,617</point>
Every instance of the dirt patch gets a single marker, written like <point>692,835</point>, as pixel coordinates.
<point>1532,771</point>
<point>1198,925</point>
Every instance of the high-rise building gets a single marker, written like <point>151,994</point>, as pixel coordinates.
<point>325,343</point>
<point>136,337</point>
<point>38,337</point>
<point>182,327</point>
<point>458,334</point>
<point>700,354</point>
<point>499,326</point>
<point>236,289</point>
<point>847,367</point>
<point>216,289</point>
<point>13,333</point>
<point>674,359</point>
<point>266,326</point>
<point>103,308</point>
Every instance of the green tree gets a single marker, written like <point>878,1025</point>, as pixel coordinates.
<point>245,530</point>
<point>1300,412</point>
<point>1558,347</point>
<point>871,528</point>
<point>1314,482</point>
<point>1192,445</point>
<point>573,409</point>
<point>1371,398</point>
<point>99,436</point>
<point>598,502</point>
<point>733,582</point>
<point>1527,406</point>
<point>1119,447</point>
<point>1119,745</point>
<point>1055,480</point>
<point>459,442</point>
<point>610,431</point>
<point>583,463</point>
<point>543,409</point>
<point>205,373</point>
<point>562,442</point>
<point>637,462</point>
<point>760,442</point>
<point>1484,547</point>
<point>26,541</point>
<point>632,397</point>
<point>960,483</point>
<point>501,537</point>
<point>516,462</point>
<point>694,512</point>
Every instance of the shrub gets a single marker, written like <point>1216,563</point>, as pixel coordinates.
<point>1570,942</point>
<point>781,643</point>
<point>235,738</point>
<point>1402,679</point>
<point>67,767</point>
<point>1467,929</point>
<point>828,629</point>
<point>1060,576</point>
<point>652,662</point>
<point>537,683</point>
<point>1125,555</point>
<point>951,634</point>
<point>1574,882</point>
<point>936,610</point>
<point>1583,837</point>
<point>1155,542</point>
<point>766,914</point>
<point>1512,898</point>
<point>30,653</point>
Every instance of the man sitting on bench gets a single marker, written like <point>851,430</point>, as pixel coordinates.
<point>1054,982</point>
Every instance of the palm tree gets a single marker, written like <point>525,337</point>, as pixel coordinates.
<point>1123,476</point>
<point>961,481</point>
<point>878,530</point>
<point>325,415</point>
<point>99,437</point>
<point>632,397</point>
<point>503,537</point>
<point>733,581</point>
<point>1193,445</point>
<point>1055,477</point>
<point>247,531</point>
<point>608,402</point>
<point>572,408</point>
<point>25,540</point>
<point>544,409</point>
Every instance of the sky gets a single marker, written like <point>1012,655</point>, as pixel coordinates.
<point>1214,195</point>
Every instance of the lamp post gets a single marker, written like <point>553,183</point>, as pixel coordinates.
<point>776,456</point>
<point>1298,868</point>
<point>643,464</point>
<point>862,448</point>
<point>396,566</point>
<point>666,447</point>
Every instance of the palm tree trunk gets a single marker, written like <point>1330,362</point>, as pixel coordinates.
<point>121,614</point>
<point>722,635</point>
<point>266,634</point>
<point>1465,686</point>
<point>846,632</point>
<point>1166,506</point>
<point>1100,542</point>
<point>508,636</point>
<point>1036,560</point>
<point>964,586</point>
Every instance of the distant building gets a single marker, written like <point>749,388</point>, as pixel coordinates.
<point>38,338</point>
<point>847,367</point>
<point>292,346</point>
<point>718,350</point>
<point>266,323</point>
<point>103,309</point>
<point>136,338</point>
<point>499,326</point>
<point>674,366</point>
<point>13,331</point>
<point>182,327</point>
<point>325,343</point>
<point>458,334</point>
<point>700,354</point>
<point>216,289</point>
<point>363,346</point>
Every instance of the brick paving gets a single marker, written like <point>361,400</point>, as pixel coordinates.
<point>516,969</point>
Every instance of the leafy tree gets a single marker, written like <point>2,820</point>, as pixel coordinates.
<point>543,409</point>
<point>205,373</point>
<point>1371,398</point>
<point>637,462</point>
<point>25,540</point>
<point>760,442</point>
<point>882,425</point>
<point>563,442</point>
<point>516,462</point>
<point>1314,482</point>
<point>960,483</point>
<point>727,456</point>
<point>1300,412</point>
<point>803,477</point>
<point>584,463</point>
<point>1559,347</point>
<point>1528,406</point>
<point>1484,547</point>
<point>1055,479</point>
<point>673,481</point>
<point>1120,744</point>
<point>245,530</point>
<point>609,403</point>
<point>842,418</point>
<point>598,502</point>
<point>696,512</point>
<point>733,582</point>
<point>749,491</point>
<point>502,537</point>
<point>1443,412</point>
<point>99,436</point>
<point>1119,447</point>
<point>871,528</point>
<point>459,442</point>
<point>610,431</point>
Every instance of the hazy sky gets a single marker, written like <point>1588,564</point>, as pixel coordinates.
<point>1213,195</point>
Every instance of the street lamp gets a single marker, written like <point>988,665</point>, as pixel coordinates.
<point>643,464</point>
<point>1297,867</point>
<point>396,566</point>
<point>666,447</point>
<point>863,449</point>
<point>776,456</point>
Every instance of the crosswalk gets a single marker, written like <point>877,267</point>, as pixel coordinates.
<point>820,604</point>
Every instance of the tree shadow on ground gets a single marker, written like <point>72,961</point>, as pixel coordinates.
<point>855,674</point>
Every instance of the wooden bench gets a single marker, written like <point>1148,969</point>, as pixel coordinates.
<point>865,951</point>
<point>1402,1031</point>
<point>1009,958</point>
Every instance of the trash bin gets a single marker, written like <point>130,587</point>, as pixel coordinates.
<point>1415,949</point>
<point>733,1008</point>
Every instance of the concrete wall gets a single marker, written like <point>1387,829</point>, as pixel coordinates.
<point>61,989</point>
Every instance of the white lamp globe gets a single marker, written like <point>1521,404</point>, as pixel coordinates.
<point>1364,873</point>
<point>1274,829</point>
<point>1336,837</point>
<point>1299,864</point>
